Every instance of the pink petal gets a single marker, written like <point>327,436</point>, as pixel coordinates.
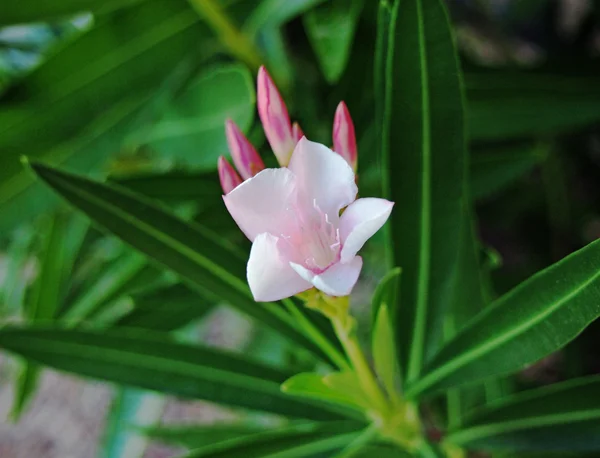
<point>227,175</point>
<point>246,159</point>
<point>274,117</point>
<point>344,138</point>
<point>270,275</point>
<point>338,280</point>
<point>359,222</point>
<point>264,203</point>
<point>323,177</point>
<point>297,132</point>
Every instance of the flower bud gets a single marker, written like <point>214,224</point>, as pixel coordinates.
<point>297,133</point>
<point>274,117</point>
<point>344,138</point>
<point>245,158</point>
<point>227,176</point>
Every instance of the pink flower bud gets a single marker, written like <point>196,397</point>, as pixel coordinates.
<point>344,138</point>
<point>297,133</point>
<point>245,158</point>
<point>274,117</point>
<point>227,176</point>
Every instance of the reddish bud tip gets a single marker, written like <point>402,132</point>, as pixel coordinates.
<point>274,117</point>
<point>227,176</point>
<point>245,158</point>
<point>344,138</point>
<point>297,133</point>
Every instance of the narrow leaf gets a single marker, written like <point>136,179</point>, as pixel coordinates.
<point>384,351</point>
<point>426,163</point>
<point>312,385</point>
<point>164,309</point>
<point>291,442</point>
<point>537,317</point>
<point>196,436</point>
<point>153,362</point>
<point>560,417</point>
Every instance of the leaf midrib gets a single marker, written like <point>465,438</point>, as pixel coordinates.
<point>481,432</point>
<point>488,346</point>
<point>418,338</point>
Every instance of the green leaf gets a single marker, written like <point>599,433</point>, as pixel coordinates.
<point>204,261</point>
<point>493,169</point>
<point>330,29</point>
<point>291,442</point>
<point>43,301</point>
<point>386,292</point>
<point>273,13</point>
<point>110,284</point>
<point>384,351</point>
<point>174,185</point>
<point>192,129</point>
<point>512,104</point>
<point>165,309</point>
<point>196,436</point>
<point>342,390</point>
<point>35,11</point>
<point>12,293</point>
<point>152,361</point>
<point>426,164</point>
<point>560,417</point>
<point>130,408</point>
<point>77,107</point>
<point>537,317</point>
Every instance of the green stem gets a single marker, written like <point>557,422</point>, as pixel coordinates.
<point>317,337</point>
<point>237,44</point>
<point>359,363</point>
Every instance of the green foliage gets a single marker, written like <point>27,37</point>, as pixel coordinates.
<point>425,158</point>
<point>118,108</point>
<point>539,316</point>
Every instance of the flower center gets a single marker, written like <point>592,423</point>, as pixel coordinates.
<point>320,240</point>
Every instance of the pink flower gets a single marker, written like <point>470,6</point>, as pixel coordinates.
<point>292,216</point>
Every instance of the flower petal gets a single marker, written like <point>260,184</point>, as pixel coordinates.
<point>359,222</point>
<point>323,177</point>
<point>264,203</point>
<point>340,278</point>
<point>270,275</point>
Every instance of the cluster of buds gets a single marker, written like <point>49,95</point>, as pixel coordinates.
<point>281,134</point>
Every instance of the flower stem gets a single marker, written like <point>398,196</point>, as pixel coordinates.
<point>347,336</point>
<point>235,42</point>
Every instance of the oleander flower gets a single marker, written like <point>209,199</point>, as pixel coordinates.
<point>292,216</point>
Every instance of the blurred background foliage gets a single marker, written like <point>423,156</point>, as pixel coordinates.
<point>137,92</point>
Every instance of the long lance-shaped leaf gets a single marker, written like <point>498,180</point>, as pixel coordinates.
<point>295,441</point>
<point>202,259</point>
<point>152,361</point>
<point>536,318</point>
<point>426,149</point>
<point>564,416</point>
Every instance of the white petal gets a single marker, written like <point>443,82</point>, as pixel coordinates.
<point>359,222</point>
<point>264,203</point>
<point>323,177</point>
<point>340,278</point>
<point>305,273</point>
<point>270,275</point>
